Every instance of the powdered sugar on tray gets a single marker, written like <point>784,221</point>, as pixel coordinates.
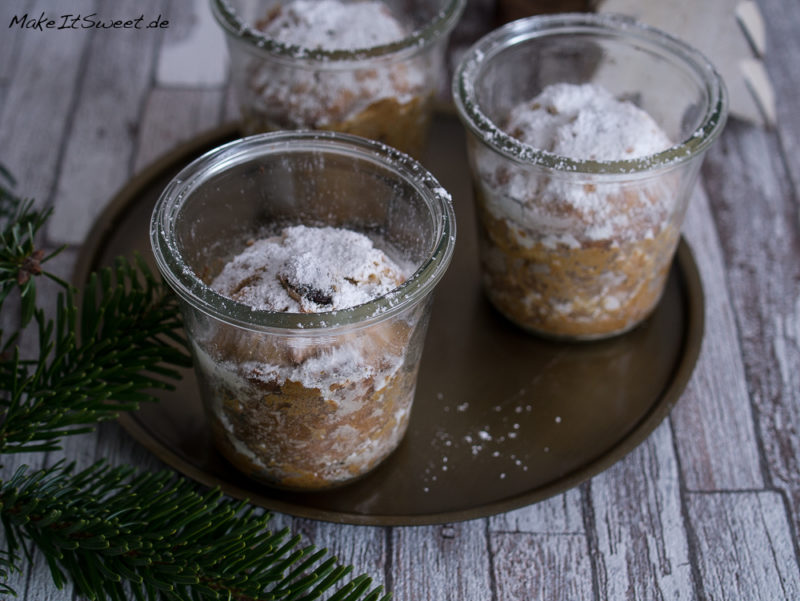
<point>487,443</point>
<point>309,270</point>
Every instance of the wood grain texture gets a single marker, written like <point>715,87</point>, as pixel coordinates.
<point>172,116</point>
<point>744,546</point>
<point>562,514</point>
<point>196,56</point>
<point>756,210</point>
<point>782,20</point>
<point>99,145</point>
<point>542,551</point>
<point>441,563</point>
<point>38,106</point>
<point>642,550</point>
<point>532,566</point>
<point>716,400</point>
<point>10,45</point>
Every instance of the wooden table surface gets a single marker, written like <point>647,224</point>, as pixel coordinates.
<point>708,507</point>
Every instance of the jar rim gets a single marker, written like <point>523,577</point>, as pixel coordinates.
<point>610,25</point>
<point>191,288</point>
<point>416,41</point>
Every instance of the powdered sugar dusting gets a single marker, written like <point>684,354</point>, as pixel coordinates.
<point>334,25</point>
<point>309,270</point>
<point>581,122</point>
<point>321,94</point>
<point>487,443</point>
<point>586,122</point>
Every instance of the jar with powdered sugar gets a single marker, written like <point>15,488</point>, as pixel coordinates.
<point>305,263</point>
<point>370,68</point>
<point>585,136</point>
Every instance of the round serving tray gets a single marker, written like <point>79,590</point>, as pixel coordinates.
<point>501,418</point>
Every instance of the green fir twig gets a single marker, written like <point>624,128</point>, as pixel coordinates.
<point>118,534</point>
<point>128,343</point>
<point>20,260</point>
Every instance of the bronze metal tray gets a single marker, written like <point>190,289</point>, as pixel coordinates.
<point>501,419</point>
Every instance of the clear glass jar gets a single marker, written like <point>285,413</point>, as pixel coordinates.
<point>580,249</point>
<point>304,401</point>
<point>383,92</point>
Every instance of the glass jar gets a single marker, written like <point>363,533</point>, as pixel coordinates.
<point>382,92</point>
<point>579,248</point>
<point>304,401</point>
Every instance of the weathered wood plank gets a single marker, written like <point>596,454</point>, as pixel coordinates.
<point>446,563</point>
<point>172,116</point>
<point>10,44</point>
<point>39,103</point>
<point>744,546</point>
<point>755,207</point>
<point>782,21</point>
<point>10,17</point>
<point>562,514</point>
<point>99,146</point>
<point>716,399</point>
<point>552,567</point>
<point>37,67</point>
<point>196,54</point>
<point>641,543</point>
<point>541,551</point>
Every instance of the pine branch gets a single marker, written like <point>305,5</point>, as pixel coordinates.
<point>117,534</point>
<point>127,345</point>
<point>19,257</point>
